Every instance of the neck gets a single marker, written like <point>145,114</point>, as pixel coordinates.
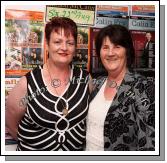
<point>57,70</point>
<point>117,76</point>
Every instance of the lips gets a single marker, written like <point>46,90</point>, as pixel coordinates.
<point>63,54</point>
<point>111,59</point>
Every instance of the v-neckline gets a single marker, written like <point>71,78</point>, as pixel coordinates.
<point>50,93</point>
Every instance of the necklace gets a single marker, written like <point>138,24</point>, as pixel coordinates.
<point>56,83</point>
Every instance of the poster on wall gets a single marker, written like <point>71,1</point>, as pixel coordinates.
<point>104,21</point>
<point>82,37</point>
<point>141,24</point>
<point>143,35</point>
<point>81,14</point>
<point>9,84</point>
<point>112,14</point>
<point>142,10</point>
<point>96,67</point>
<point>112,11</point>
<point>144,44</point>
<point>80,58</point>
<point>24,41</point>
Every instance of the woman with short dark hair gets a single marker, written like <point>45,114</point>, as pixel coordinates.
<point>121,111</point>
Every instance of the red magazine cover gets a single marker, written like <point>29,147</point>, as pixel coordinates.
<point>144,44</point>
<point>96,67</point>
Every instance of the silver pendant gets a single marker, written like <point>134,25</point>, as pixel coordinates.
<point>55,83</point>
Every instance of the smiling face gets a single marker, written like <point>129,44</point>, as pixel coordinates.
<point>148,36</point>
<point>113,56</point>
<point>61,47</point>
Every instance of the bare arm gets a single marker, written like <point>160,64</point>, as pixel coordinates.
<point>90,84</point>
<point>15,106</point>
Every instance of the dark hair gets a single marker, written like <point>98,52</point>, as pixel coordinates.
<point>56,23</point>
<point>119,35</point>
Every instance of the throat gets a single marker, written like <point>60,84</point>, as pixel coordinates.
<point>116,76</point>
<point>109,93</point>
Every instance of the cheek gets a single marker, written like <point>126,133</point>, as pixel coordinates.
<point>102,55</point>
<point>73,50</point>
<point>51,47</point>
<point>102,58</point>
<point>123,59</point>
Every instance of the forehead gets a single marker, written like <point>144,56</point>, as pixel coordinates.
<point>61,32</point>
<point>106,40</point>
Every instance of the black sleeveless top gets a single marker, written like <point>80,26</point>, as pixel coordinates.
<point>44,127</point>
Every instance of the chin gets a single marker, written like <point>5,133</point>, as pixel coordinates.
<point>68,62</point>
<point>113,68</point>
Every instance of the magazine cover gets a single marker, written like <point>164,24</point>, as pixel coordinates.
<point>82,37</point>
<point>13,59</point>
<point>112,11</point>
<point>142,10</point>
<point>31,57</point>
<point>142,28</point>
<point>111,14</point>
<point>9,84</point>
<point>23,30</point>
<point>144,44</point>
<point>96,67</point>
<point>81,56</point>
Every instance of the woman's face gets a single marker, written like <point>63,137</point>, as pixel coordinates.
<point>113,56</point>
<point>61,48</point>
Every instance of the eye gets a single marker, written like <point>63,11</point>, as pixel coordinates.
<point>118,46</point>
<point>105,47</point>
<point>71,43</point>
<point>56,42</point>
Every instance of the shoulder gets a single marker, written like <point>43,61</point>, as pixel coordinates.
<point>22,84</point>
<point>152,41</point>
<point>145,86</point>
<point>35,71</point>
<point>138,82</point>
<point>98,82</point>
<point>132,76</point>
<point>79,71</point>
<point>140,79</point>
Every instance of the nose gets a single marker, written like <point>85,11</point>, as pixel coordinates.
<point>111,51</point>
<point>64,46</point>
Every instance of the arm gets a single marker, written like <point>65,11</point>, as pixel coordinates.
<point>15,108</point>
<point>90,84</point>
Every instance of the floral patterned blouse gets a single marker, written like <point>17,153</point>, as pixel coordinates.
<point>130,121</point>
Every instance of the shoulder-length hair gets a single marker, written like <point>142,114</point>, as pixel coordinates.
<point>118,35</point>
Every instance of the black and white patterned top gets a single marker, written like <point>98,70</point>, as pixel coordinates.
<point>44,127</point>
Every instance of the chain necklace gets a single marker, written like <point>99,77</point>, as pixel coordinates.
<point>56,83</point>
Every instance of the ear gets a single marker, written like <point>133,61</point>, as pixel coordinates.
<point>46,45</point>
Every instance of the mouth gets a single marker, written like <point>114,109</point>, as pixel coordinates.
<point>111,59</point>
<point>63,54</point>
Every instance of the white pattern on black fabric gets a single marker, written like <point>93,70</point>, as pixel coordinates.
<point>44,127</point>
